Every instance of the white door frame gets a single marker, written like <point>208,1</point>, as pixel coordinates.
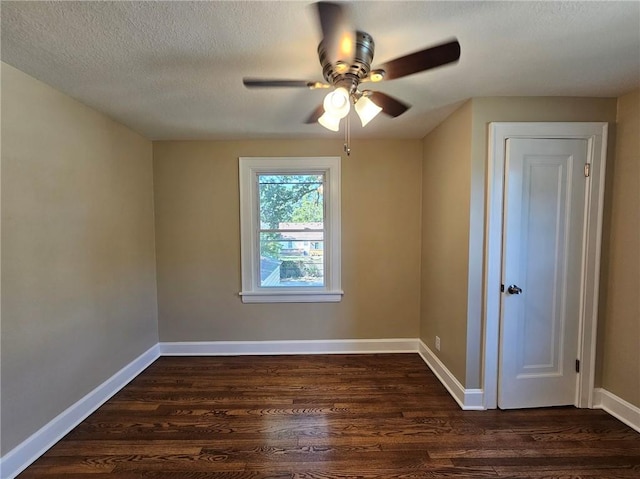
<point>596,135</point>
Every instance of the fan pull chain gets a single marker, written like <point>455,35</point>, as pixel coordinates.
<point>347,135</point>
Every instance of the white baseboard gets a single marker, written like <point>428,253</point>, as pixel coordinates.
<point>16,460</point>
<point>617,407</point>
<point>332,346</point>
<point>467,399</point>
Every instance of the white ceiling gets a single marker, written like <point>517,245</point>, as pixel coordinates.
<point>173,70</point>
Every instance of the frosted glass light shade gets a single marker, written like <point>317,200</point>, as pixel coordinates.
<point>329,121</point>
<point>337,103</point>
<point>366,110</point>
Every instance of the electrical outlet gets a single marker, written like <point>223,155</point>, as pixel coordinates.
<point>438,343</point>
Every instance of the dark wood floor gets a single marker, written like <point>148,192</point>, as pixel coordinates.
<point>322,417</point>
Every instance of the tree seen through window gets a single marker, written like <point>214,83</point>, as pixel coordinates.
<point>291,210</point>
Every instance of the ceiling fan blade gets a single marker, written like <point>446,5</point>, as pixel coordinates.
<point>423,60</point>
<point>264,83</point>
<point>390,106</point>
<point>338,35</point>
<point>317,113</point>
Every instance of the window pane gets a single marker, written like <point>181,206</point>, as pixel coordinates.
<point>291,201</point>
<point>291,259</point>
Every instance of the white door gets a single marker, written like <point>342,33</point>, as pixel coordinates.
<point>544,224</point>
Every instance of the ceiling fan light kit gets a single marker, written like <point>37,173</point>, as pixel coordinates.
<point>346,55</point>
<point>330,122</point>
<point>337,103</point>
<point>366,110</point>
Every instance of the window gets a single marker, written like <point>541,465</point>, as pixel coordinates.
<point>290,229</point>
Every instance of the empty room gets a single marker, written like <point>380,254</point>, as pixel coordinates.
<point>296,240</point>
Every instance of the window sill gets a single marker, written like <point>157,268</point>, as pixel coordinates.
<point>292,297</point>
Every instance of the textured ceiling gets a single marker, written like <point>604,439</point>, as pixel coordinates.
<point>173,70</point>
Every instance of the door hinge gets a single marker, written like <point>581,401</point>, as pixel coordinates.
<point>577,365</point>
<point>587,170</point>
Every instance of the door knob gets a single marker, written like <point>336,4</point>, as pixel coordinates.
<point>513,289</point>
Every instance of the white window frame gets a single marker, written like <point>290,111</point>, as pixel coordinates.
<point>249,169</point>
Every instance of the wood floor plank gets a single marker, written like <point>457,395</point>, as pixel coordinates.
<point>372,416</point>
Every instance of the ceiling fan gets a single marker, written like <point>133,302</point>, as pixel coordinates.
<point>345,56</point>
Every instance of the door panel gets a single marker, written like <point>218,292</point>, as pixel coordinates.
<point>543,230</point>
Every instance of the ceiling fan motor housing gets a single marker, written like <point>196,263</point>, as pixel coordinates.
<point>359,69</point>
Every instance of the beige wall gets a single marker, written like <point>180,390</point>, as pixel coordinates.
<point>467,365</point>
<point>198,240</point>
<point>78,272</point>
<point>446,176</point>
<point>620,315</point>
<point>486,110</point>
